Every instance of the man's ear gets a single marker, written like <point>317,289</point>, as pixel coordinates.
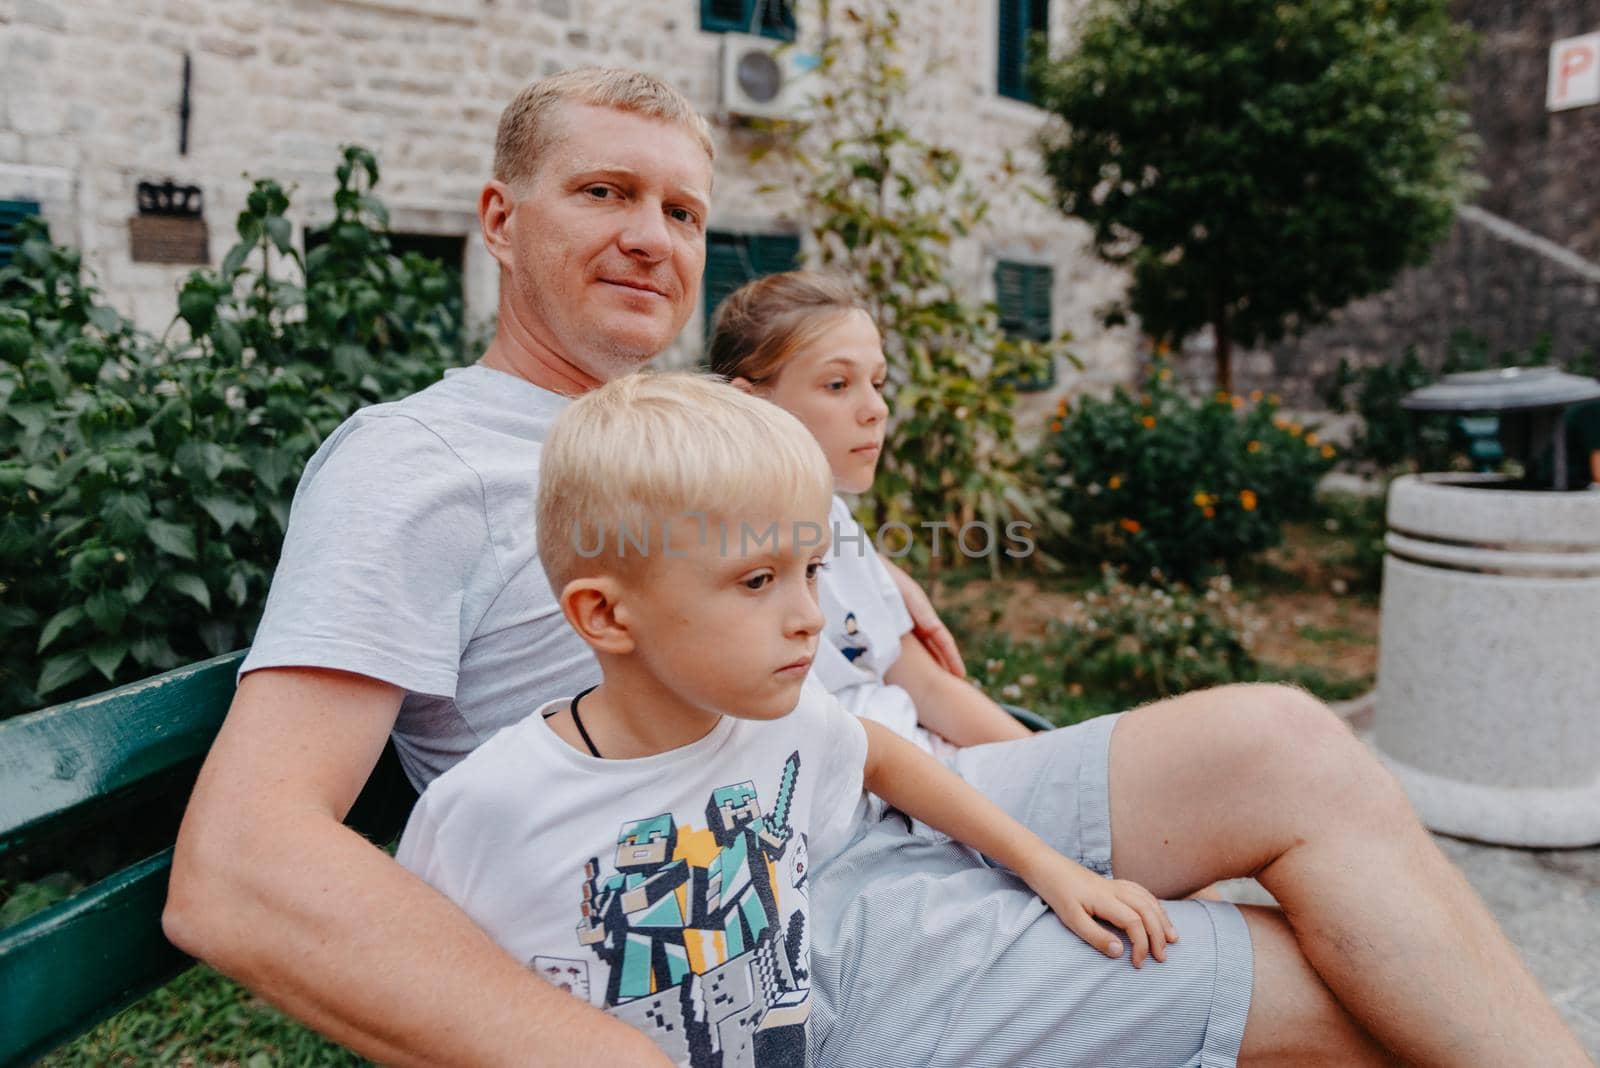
<point>742,384</point>
<point>494,219</point>
<point>590,605</point>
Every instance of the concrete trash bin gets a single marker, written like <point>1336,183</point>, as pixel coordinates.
<point>1488,699</point>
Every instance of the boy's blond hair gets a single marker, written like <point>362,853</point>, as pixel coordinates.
<point>528,124</point>
<point>651,448</point>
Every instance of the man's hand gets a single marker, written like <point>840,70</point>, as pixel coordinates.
<point>1079,897</point>
<point>926,624</point>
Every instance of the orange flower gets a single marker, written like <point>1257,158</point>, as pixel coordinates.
<point>1210,513</point>
<point>1311,439</point>
<point>1247,500</point>
<point>1204,500</point>
<point>1281,422</point>
<point>1255,396</point>
<point>1149,422</point>
<point>1296,429</point>
<point>1222,396</point>
<point>1055,426</point>
<point>1327,452</point>
<point>1166,373</point>
<point>1252,446</point>
<point>1237,401</point>
<point>1061,406</point>
<point>1163,348</point>
<point>1115,482</point>
<point>1130,525</point>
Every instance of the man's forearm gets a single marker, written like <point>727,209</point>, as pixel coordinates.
<point>318,922</point>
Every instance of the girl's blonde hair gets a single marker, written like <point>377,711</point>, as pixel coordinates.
<point>647,449</point>
<point>763,323</point>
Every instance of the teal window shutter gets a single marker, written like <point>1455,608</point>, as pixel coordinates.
<point>1019,21</point>
<point>12,212</point>
<point>734,259</point>
<point>769,18</point>
<point>1023,293</point>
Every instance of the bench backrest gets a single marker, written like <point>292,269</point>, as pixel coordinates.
<point>64,969</point>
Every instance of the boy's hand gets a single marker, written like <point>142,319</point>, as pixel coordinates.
<point>1079,897</point>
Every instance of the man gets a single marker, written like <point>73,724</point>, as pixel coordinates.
<point>409,600</point>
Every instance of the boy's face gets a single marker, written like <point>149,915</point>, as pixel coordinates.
<point>728,621</point>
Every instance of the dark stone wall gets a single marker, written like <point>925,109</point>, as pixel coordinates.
<point>1540,171</point>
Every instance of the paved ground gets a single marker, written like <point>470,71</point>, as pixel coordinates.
<point>1548,901</point>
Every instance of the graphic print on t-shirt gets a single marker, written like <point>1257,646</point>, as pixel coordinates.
<point>701,955</point>
<point>849,638</point>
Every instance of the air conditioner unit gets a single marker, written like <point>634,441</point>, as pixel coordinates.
<point>763,78</point>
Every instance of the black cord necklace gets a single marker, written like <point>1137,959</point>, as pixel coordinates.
<point>578,723</point>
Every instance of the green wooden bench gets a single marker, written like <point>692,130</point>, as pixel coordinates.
<point>68,967</point>
<point>136,749</point>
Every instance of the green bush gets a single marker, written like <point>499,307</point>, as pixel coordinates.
<point>146,482</point>
<point>1121,645</point>
<point>1163,481</point>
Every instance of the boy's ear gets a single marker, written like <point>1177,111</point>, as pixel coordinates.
<point>590,605</point>
<point>742,384</point>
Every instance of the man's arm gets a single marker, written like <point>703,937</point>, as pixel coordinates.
<point>920,786</point>
<point>946,704</point>
<point>925,622</point>
<point>271,888</point>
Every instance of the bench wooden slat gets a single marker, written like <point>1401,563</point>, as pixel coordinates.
<point>67,968</point>
<point>101,749</point>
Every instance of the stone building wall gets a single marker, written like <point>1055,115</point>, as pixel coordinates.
<point>1522,262</point>
<point>89,94</point>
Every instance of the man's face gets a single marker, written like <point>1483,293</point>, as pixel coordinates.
<point>607,240</point>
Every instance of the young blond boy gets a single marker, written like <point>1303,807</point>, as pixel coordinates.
<point>646,844</point>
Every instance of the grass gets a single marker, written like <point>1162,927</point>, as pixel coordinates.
<point>202,1018</point>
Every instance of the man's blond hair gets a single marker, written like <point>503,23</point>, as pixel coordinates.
<point>530,124</point>
<point>648,449</point>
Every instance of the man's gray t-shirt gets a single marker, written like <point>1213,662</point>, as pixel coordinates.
<point>411,557</point>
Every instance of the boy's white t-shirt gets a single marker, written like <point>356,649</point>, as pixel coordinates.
<point>671,890</point>
<point>865,619</point>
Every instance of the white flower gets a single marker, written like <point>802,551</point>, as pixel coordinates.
<point>1094,489</point>
<point>1011,691</point>
<point>1331,525</point>
<point>1340,587</point>
<point>1027,680</point>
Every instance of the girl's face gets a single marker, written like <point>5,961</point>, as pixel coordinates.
<point>834,385</point>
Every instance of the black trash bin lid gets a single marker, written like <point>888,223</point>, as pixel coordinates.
<point>1505,390</point>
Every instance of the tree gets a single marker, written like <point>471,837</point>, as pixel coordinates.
<point>1257,164</point>
<point>883,207</point>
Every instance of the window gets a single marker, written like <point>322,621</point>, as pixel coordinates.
<point>1019,21</point>
<point>1022,290</point>
<point>734,259</point>
<point>12,212</point>
<point>769,18</point>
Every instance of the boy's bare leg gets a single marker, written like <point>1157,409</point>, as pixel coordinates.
<point>1264,781</point>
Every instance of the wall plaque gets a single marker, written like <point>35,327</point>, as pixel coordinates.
<point>169,239</point>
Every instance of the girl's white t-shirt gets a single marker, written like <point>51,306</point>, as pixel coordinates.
<point>865,619</point>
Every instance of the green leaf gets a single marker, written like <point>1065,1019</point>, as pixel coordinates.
<point>279,231</point>
<point>58,623</point>
<point>105,319</point>
<point>107,655</point>
<point>234,260</point>
<point>106,609</point>
<point>171,538</point>
<point>60,670</point>
<point>193,586</point>
<point>197,304</point>
<point>228,512</point>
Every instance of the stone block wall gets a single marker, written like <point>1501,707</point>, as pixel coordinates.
<point>89,96</point>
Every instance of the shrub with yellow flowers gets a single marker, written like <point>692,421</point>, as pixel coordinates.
<point>1157,478</point>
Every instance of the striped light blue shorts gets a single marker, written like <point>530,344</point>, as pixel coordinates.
<point>924,955</point>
